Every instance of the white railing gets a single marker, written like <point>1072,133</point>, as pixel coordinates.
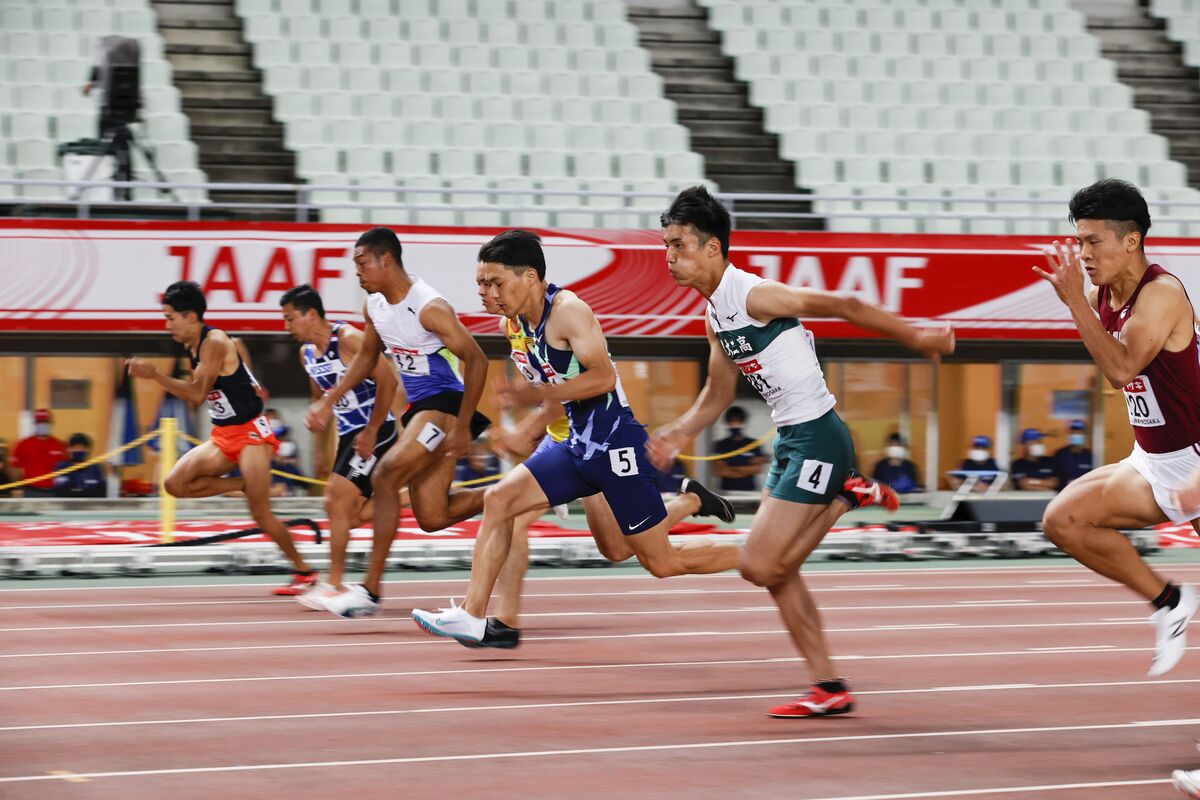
<point>299,199</point>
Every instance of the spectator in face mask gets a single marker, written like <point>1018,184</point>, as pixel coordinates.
<point>738,473</point>
<point>979,459</point>
<point>1075,459</point>
<point>895,469</point>
<point>286,458</point>
<point>86,482</point>
<point>38,454</point>
<point>1034,470</point>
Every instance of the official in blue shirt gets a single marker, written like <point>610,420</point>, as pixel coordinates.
<point>737,473</point>
<point>896,469</point>
<point>979,459</point>
<point>86,482</point>
<point>1034,470</point>
<point>1075,459</point>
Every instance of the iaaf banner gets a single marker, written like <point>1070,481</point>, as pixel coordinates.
<point>85,276</point>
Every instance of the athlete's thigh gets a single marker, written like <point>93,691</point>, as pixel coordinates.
<point>204,460</point>
<point>1113,496</point>
<point>604,526</point>
<point>784,533</point>
<point>255,464</point>
<point>429,491</point>
<point>418,445</point>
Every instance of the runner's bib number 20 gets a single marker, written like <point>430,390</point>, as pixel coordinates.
<point>1142,405</point>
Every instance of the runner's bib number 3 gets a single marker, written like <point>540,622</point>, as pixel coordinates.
<point>219,406</point>
<point>1142,405</point>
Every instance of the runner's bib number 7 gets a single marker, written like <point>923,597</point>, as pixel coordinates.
<point>1142,405</point>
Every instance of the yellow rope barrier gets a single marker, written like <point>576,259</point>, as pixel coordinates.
<point>722,456</point>
<point>138,442</point>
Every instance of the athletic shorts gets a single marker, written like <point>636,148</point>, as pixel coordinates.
<point>351,466</point>
<point>1168,473</point>
<point>622,474</point>
<point>546,443</point>
<point>812,460</point>
<point>447,403</point>
<point>232,439</point>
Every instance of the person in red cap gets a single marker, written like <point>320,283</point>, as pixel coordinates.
<point>36,455</point>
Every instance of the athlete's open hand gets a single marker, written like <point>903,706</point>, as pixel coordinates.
<point>140,368</point>
<point>319,414</point>
<point>364,443</point>
<point>1066,272</point>
<point>511,443</point>
<point>1189,497</point>
<point>935,342</point>
<point>510,394</point>
<point>664,446</point>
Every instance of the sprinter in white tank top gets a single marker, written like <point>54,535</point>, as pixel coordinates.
<point>439,425</point>
<point>753,329</point>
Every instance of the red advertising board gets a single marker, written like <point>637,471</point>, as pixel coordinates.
<point>79,276</point>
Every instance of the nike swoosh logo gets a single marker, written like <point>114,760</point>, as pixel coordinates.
<point>634,525</point>
<point>1180,627</point>
<point>830,703</point>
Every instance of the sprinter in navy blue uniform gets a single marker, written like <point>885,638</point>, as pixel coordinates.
<point>366,427</point>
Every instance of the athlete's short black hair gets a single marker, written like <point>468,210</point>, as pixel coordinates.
<point>1117,203</point>
<point>302,298</point>
<point>380,240</point>
<point>735,413</point>
<point>184,296</point>
<point>698,208</point>
<point>516,249</point>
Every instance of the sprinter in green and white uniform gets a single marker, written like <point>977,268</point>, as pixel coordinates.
<point>753,329</point>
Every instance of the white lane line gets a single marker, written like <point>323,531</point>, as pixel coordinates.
<point>1078,648</point>
<point>558,668</point>
<point>324,620</point>
<point>1062,582</point>
<point>655,748</point>
<point>441,596</point>
<point>1048,787</point>
<point>714,698</point>
<point>810,575</point>
<point>1020,601</point>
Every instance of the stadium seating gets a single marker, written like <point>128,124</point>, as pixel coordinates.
<point>448,99</point>
<point>946,107</point>
<point>1183,25</point>
<point>47,50</point>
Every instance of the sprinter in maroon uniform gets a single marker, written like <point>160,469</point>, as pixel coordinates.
<point>1138,324</point>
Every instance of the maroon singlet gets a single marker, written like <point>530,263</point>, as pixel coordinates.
<point>1163,401</point>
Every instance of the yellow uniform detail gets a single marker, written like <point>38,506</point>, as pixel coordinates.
<point>560,429</point>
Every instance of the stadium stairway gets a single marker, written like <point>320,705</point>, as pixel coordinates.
<point>232,120</point>
<point>1152,65</point>
<point>739,154</point>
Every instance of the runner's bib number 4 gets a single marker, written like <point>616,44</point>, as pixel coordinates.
<point>1142,405</point>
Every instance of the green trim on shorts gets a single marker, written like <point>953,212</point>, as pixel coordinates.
<point>812,460</point>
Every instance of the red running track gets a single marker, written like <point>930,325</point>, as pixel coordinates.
<point>1005,681</point>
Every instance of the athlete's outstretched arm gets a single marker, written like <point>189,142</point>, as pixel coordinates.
<point>439,318</point>
<point>357,371</point>
<point>719,390</point>
<point>1160,307</point>
<point>212,355</point>
<point>771,300</point>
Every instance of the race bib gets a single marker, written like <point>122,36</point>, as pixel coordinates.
<point>219,406</point>
<point>347,402</point>
<point>410,362</point>
<point>525,368</point>
<point>431,436</point>
<point>360,465</point>
<point>263,426</point>
<point>1142,405</point>
<point>758,377</point>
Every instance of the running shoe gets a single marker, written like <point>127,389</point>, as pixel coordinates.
<point>497,635</point>
<point>1170,627</point>
<point>711,503</point>
<point>353,603</point>
<point>453,622</point>
<point>316,596</point>
<point>299,584</point>
<point>859,491</point>
<point>816,702</point>
<point>1187,782</point>
<point>561,511</point>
